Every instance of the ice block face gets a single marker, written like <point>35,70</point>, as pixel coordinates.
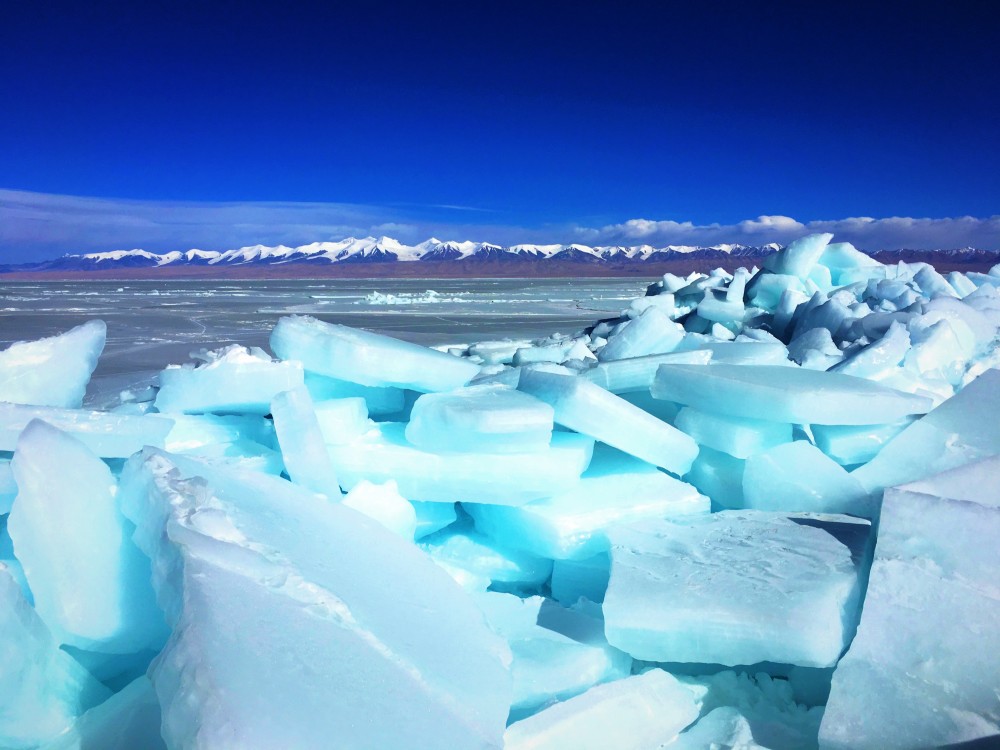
<point>799,258</point>
<point>8,487</point>
<point>651,333</point>
<point>378,401</point>
<point>42,689</point>
<point>397,655</point>
<point>90,583</point>
<point>480,419</point>
<point>499,478</point>
<point>739,438</point>
<point>576,579</point>
<point>638,712</point>
<point>367,358</point>
<point>850,445</point>
<point>924,666</point>
<point>589,409</point>
<point>383,503</point>
<point>734,588</point>
<point>617,488</point>
<point>53,371</point>
<point>462,548</point>
<point>342,420</point>
<point>306,458</point>
<point>230,380</point>
<point>636,374</point>
<point>963,429</point>
<point>800,477</point>
<point>785,394</point>
<point>129,720</point>
<point>107,435</point>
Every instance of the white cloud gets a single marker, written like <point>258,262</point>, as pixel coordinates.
<point>34,226</point>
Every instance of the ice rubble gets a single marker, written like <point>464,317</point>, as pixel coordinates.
<point>657,532</point>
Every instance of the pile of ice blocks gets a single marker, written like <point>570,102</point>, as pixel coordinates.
<point>759,509</point>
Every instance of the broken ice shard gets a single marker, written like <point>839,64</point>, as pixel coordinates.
<point>53,371</point>
<point>367,358</point>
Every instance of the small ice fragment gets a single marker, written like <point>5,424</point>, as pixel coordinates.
<point>367,358</point>
<point>52,371</point>
<point>480,419</point>
<point>590,410</point>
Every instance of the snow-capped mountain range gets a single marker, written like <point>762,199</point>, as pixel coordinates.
<point>387,249</point>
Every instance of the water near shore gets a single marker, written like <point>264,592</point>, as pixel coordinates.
<point>153,323</point>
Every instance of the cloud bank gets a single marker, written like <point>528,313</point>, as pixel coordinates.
<point>35,226</point>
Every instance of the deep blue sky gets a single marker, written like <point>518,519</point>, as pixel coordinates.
<point>535,113</point>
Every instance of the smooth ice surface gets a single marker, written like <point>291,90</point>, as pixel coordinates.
<point>8,487</point>
<point>53,371</point>
<point>963,429</point>
<point>106,434</point>
<point>501,478</point>
<point>383,503</point>
<point>480,419</point>
<point>129,720</point>
<point>367,358</point>
<point>850,445</point>
<point>359,639</point>
<point>342,420</point>
<point>738,437</point>
<point>800,477</point>
<point>234,379</point>
<point>463,548</point>
<point>616,488</point>
<point>636,374</point>
<point>90,583</point>
<point>590,410</point>
<point>635,713</point>
<point>650,333</point>
<point>380,401</point>
<point>977,482</point>
<point>42,688</point>
<point>301,440</point>
<point>924,667</point>
<point>799,258</point>
<point>735,587</point>
<point>784,394</point>
<point>573,579</point>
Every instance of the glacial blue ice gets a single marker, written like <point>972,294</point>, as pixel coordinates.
<point>342,420</point>
<point>379,400</point>
<point>52,371</point>
<point>740,438</point>
<point>650,333</point>
<point>367,358</point>
<point>383,503</point>
<point>306,458</point>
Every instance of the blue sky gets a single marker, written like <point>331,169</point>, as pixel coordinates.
<point>218,124</point>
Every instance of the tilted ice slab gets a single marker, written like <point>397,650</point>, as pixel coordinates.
<point>636,713</point>
<point>53,371</point>
<point>301,440</point>
<point>107,434</point>
<point>42,688</point>
<point>734,588</point>
<point>360,640</point>
<point>234,379</point>
<point>617,488</point>
<point>480,419</point>
<point>637,374</point>
<point>650,333</point>
<point>963,429</point>
<point>591,410</point>
<point>90,582</point>
<point>736,436</point>
<point>367,358</point>
<point>501,478</point>
<point>924,667</point>
<point>785,394</point>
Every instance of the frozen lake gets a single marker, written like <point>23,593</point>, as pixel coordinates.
<point>153,323</point>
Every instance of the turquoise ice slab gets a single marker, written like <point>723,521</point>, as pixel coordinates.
<point>502,478</point>
<point>924,667</point>
<point>306,459</point>
<point>785,394</point>
<point>53,371</point>
<point>734,588</point>
<point>348,635</point>
<point>367,358</point>
<point>589,409</point>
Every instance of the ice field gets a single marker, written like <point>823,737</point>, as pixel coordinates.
<point>748,510</point>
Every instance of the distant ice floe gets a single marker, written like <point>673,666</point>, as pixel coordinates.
<point>754,509</point>
<point>429,297</point>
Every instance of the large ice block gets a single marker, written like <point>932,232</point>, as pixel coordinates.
<point>800,256</point>
<point>480,419</point>
<point>128,720</point>
<point>650,333</point>
<point>785,394</point>
<point>720,476</point>
<point>359,640</point>
<point>106,434</point>
<point>306,458</point>
<point>617,488</point>
<point>924,667</point>
<point>636,374</point>
<point>591,410</point>
<point>52,371</point>
<point>737,437</point>
<point>367,358</point>
<point>342,420</point>
<point>230,380</point>
<point>501,478</point>
<point>799,477</point>
<point>636,713</point>
<point>963,429</point>
<point>380,401</point>
<point>42,689</point>
<point>91,584</point>
<point>735,587</point>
